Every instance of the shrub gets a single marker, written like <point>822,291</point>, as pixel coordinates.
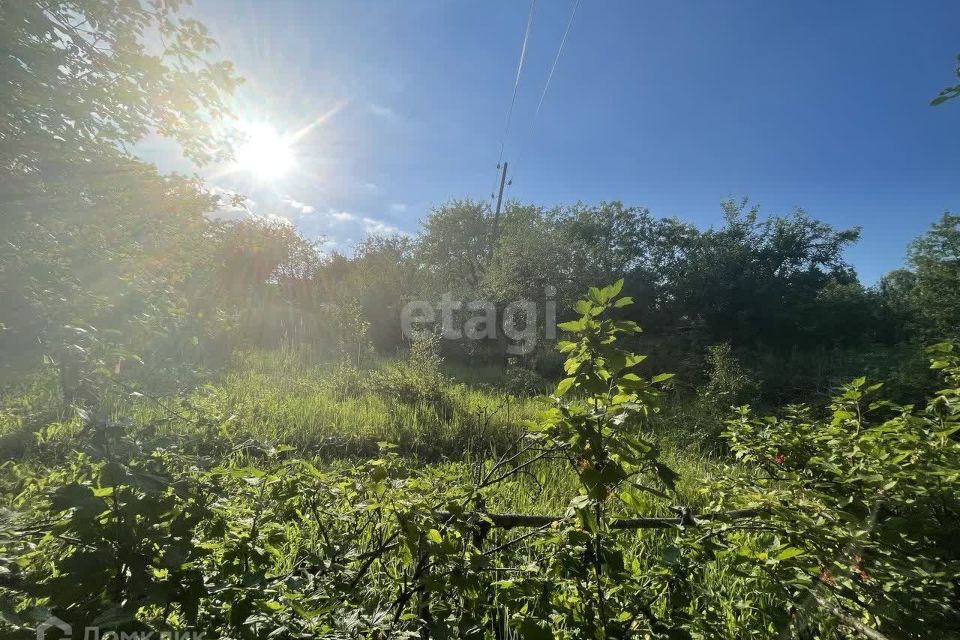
<point>524,382</point>
<point>417,379</point>
<point>728,383</point>
<point>862,502</point>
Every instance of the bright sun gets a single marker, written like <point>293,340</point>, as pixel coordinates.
<point>265,154</point>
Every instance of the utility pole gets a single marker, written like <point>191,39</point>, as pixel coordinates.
<point>496,213</point>
<point>499,308</point>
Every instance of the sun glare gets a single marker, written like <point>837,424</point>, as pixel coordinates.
<point>265,154</point>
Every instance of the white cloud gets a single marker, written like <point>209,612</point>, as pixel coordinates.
<point>327,224</point>
<point>341,216</point>
<point>381,111</point>
<point>398,207</point>
<point>302,207</point>
<point>231,205</point>
<point>379,227</point>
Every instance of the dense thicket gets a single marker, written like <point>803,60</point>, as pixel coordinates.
<point>776,289</point>
<point>137,270</point>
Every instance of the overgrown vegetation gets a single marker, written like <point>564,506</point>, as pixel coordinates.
<point>187,517</point>
<point>212,426</point>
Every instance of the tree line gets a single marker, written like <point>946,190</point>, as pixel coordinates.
<point>105,260</point>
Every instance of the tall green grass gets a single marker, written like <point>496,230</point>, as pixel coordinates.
<point>328,411</point>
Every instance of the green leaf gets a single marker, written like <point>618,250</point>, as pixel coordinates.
<point>789,552</point>
<point>572,326</point>
<point>563,386</point>
<point>270,606</point>
<point>667,475</point>
<point>615,288</point>
<point>633,360</point>
<point>628,326</point>
<point>579,502</point>
<point>434,536</point>
<point>564,346</point>
<point>114,616</point>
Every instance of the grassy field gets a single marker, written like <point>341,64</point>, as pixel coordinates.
<point>266,407</point>
<point>327,411</point>
<point>321,409</point>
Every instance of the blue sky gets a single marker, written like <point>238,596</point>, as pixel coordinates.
<point>669,105</point>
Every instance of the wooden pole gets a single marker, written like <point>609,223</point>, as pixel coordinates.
<point>496,212</point>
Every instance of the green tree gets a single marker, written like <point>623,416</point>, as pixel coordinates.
<point>96,242</point>
<point>85,79</point>
<point>935,259</point>
<point>384,278</point>
<point>757,282</point>
<point>454,247</point>
<point>895,291</point>
<point>527,257</point>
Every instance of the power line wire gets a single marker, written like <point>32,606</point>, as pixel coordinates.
<point>563,41</point>
<point>546,86</point>
<point>516,82</point>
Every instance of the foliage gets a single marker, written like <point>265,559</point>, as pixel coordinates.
<point>849,524</point>
<point>758,281</point>
<point>83,82</point>
<point>770,284</point>
<point>949,93</point>
<point>859,501</point>
<point>454,246</point>
<point>522,381</point>
<point>352,331</point>
<point>592,591</point>
<point>935,258</point>
<point>417,379</point>
<point>99,250</point>
<point>254,501</point>
<point>727,382</point>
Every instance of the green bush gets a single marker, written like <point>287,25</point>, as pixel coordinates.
<point>417,379</point>
<point>862,500</point>
<point>524,382</point>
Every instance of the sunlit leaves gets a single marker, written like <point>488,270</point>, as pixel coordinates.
<point>599,411</point>
<point>844,490</point>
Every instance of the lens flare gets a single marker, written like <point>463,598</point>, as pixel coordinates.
<point>265,154</point>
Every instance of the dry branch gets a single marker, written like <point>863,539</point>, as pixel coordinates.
<point>517,520</point>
